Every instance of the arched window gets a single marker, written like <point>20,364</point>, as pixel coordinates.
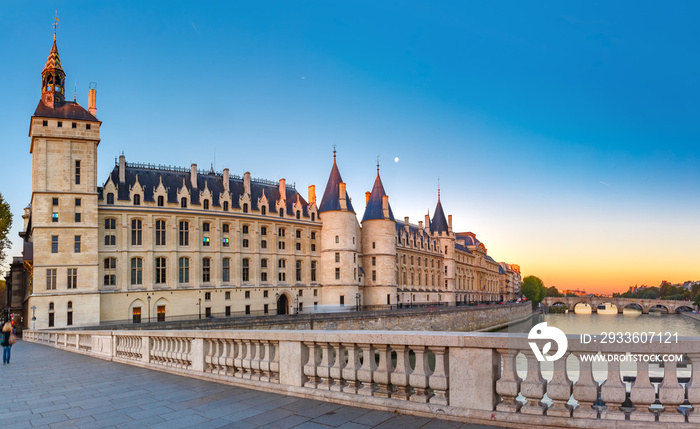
<point>110,198</point>
<point>183,202</point>
<point>51,315</point>
<point>161,201</point>
<point>137,200</point>
<point>225,206</point>
<point>69,314</point>
<point>206,205</point>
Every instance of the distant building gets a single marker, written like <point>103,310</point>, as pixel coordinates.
<point>156,242</point>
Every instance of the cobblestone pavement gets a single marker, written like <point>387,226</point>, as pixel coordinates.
<point>45,387</point>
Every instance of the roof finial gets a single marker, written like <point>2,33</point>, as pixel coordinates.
<point>438,188</point>
<point>333,153</point>
<point>55,25</point>
<point>377,165</point>
<point>75,93</point>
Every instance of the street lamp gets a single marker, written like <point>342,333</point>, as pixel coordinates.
<point>199,304</point>
<point>398,303</point>
<point>357,301</point>
<point>149,308</point>
<point>277,302</point>
<point>296,304</point>
<point>33,316</point>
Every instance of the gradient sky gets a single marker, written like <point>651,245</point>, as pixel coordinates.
<point>564,135</point>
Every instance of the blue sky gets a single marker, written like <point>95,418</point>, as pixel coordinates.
<point>564,135</point>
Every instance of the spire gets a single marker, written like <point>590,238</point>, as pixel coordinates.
<point>439,222</point>
<point>331,196</point>
<point>52,77</point>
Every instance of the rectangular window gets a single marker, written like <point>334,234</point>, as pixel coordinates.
<point>265,294</point>
<point>315,292</point>
<point>51,279</point>
<point>299,272</point>
<point>77,217</point>
<point>245,272</point>
<point>301,293</point>
<point>110,227</point>
<point>263,276</point>
<point>298,246</point>
<point>245,242</point>
<point>227,295</point>
<point>263,230</point>
<point>136,232</point>
<point>301,307</point>
<point>160,271</point>
<point>225,241</point>
<point>374,261</point>
<point>136,315</point>
<point>54,244</point>
<point>77,244</point>
<point>281,245</point>
<point>226,271</point>
<point>54,217</point>
<point>72,278</point>
<point>136,271</point>
<point>266,309</point>
<point>280,232</point>
<point>298,233</point>
<point>374,276</point>
<point>313,247</point>
<point>160,313</point>
<point>247,309</point>
<point>77,172</point>
<point>54,201</point>
<point>205,227</point>
<point>245,229</point>
<point>207,310</point>
<point>225,228</point>
<point>247,294</point>
<point>160,233</point>
<point>74,125</point>
<point>87,126</point>
<point>205,241</point>
<point>78,202</point>
<point>337,273</point>
<point>206,270</point>
<point>263,244</point>
<point>59,124</point>
<point>228,310</point>
<point>45,123</point>
<point>207,296</point>
<point>184,233</point>
<point>184,270</point>
<point>313,271</point>
<point>313,235</point>
<point>51,319</point>
<point>342,300</point>
<point>337,257</point>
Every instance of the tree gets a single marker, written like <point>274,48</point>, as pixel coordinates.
<point>553,292</point>
<point>5,225</point>
<point>697,300</point>
<point>533,289</point>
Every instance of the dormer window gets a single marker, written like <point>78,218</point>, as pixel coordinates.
<point>206,205</point>
<point>225,206</point>
<point>137,200</point>
<point>183,202</point>
<point>110,198</point>
<point>263,210</point>
<point>161,201</point>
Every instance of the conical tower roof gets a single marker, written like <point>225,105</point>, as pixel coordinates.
<point>375,207</point>
<point>331,196</point>
<point>439,222</point>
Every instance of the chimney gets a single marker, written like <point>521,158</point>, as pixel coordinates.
<point>226,180</point>
<point>246,182</point>
<point>385,206</point>
<point>367,195</point>
<point>193,175</point>
<point>449,223</point>
<point>122,168</point>
<point>312,194</point>
<point>405,223</point>
<point>420,225</point>
<point>343,194</point>
<point>92,101</point>
<point>427,222</point>
<point>283,189</point>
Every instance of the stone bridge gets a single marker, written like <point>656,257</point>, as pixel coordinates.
<point>644,304</point>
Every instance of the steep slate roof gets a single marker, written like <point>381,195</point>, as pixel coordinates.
<point>54,60</point>
<point>331,196</point>
<point>462,248</point>
<point>375,206</point>
<point>66,110</point>
<point>439,223</point>
<point>149,179</point>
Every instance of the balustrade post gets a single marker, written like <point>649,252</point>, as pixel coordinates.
<point>533,387</point>
<point>241,351</point>
<point>291,359</point>
<point>419,377</point>
<point>351,368</point>
<point>247,362</point>
<point>473,374</point>
<point>311,367</point>
<point>508,386</point>
<point>585,389</point>
<point>324,367</point>
<point>642,394</point>
<point>230,354</point>
<point>336,371</point>
<point>255,371</point>
<point>439,380</point>
<point>671,395</point>
<point>400,374</point>
<point>366,372</point>
<point>198,354</point>
<point>613,393</point>
<point>265,362</point>
<point>693,388</point>
<point>382,375</point>
<point>145,349</point>
<point>559,389</point>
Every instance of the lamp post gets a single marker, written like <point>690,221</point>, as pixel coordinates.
<point>277,302</point>
<point>149,308</point>
<point>357,301</point>
<point>33,316</point>
<point>296,304</point>
<point>398,303</point>
<point>199,304</point>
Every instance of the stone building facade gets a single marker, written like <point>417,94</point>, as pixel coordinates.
<point>157,243</point>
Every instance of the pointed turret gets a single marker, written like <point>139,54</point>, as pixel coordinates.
<point>439,222</point>
<point>53,79</point>
<point>375,204</point>
<point>335,197</point>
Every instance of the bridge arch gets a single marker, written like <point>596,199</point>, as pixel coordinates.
<point>659,306</point>
<point>683,308</point>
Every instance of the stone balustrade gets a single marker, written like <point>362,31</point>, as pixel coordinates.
<point>475,377</point>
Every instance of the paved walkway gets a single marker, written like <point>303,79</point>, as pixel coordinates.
<point>45,387</point>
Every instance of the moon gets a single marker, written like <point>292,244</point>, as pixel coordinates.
<point>396,159</point>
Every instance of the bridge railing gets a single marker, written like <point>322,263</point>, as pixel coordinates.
<point>476,377</point>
